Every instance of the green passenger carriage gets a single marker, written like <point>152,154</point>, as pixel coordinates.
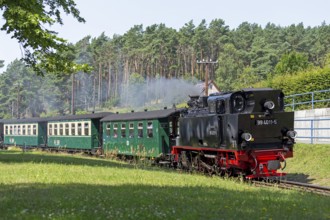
<point>76,132</point>
<point>148,133</point>
<point>29,132</point>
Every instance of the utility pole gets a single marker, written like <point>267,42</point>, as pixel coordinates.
<point>206,62</point>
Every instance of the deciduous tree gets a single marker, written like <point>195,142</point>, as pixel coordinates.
<point>28,22</point>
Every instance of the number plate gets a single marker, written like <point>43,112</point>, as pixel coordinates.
<point>266,122</point>
<point>273,165</point>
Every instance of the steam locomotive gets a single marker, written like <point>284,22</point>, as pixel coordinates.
<point>243,133</point>
<point>236,133</point>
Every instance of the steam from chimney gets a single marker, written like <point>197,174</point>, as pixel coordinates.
<point>157,93</point>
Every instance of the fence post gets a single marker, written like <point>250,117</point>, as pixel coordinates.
<point>312,131</point>
<point>293,103</point>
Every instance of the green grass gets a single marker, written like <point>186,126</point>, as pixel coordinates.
<point>35,185</point>
<point>310,164</point>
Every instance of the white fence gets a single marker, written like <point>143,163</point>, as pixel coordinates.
<point>313,126</point>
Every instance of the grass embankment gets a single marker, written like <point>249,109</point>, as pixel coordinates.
<point>310,164</point>
<point>36,185</point>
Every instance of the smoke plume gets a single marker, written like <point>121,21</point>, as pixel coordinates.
<point>157,93</point>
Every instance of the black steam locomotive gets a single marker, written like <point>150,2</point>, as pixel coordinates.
<point>236,133</point>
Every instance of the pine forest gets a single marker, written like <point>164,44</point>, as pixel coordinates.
<point>157,66</point>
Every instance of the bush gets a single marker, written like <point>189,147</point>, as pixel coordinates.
<point>302,82</point>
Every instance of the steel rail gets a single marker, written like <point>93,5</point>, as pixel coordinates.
<point>284,184</point>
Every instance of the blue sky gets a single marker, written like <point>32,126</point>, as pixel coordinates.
<point>118,16</point>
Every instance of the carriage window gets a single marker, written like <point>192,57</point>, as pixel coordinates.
<point>107,129</point>
<point>86,128</point>
<point>140,130</point>
<point>61,129</point>
<point>28,129</point>
<point>123,130</point>
<point>15,130</point>
<point>55,129</point>
<point>11,130</point>
<point>149,129</point>
<point>67,129</point>
<point>18,129</point>
<point>79,129</point>
<point>6,129</point>
<point>34,129</point>
<point>23,130</point>
<point>73,129</point>
<point>115,130</point>
<point>131,130</point>
<point>50,129</point>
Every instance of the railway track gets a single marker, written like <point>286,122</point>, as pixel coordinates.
<point>284,184</point>
<point>280,183</point>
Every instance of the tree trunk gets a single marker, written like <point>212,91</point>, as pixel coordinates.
<point>116,84</point>
<point>109,81</point>
<point>100,85</point>
<point>193,65</point>
<point>94,91</point>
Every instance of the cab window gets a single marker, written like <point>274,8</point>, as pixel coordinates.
<point>220,106</point>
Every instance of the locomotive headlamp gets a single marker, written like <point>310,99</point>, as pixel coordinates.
<point>246,136</point>
<point>269,105</point>
<point>291,134</point>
